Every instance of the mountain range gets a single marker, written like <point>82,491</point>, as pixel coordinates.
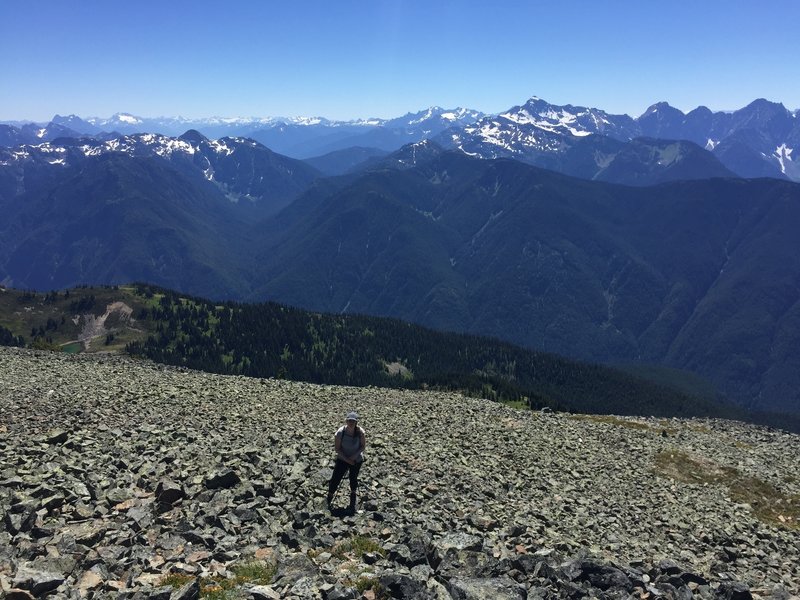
<point>642,250</point>
<point>755,141</point>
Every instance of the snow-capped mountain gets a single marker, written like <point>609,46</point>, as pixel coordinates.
<point>759,140</point>
<point>213,126</point>
<point>300,140</point>
<point>300,137</point>
<point>535,130</point>
<point>434,119</point>
<point>244,170</point>
<point>755,141</point>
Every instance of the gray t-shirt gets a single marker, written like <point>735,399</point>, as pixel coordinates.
<point>350,444</point>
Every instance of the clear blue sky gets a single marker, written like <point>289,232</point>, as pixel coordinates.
<point>347,58</point>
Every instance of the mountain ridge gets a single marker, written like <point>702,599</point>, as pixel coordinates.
<point>754,141</point>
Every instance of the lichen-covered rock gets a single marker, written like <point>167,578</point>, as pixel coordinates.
<point>480,589</point>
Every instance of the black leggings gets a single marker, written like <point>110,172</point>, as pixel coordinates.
<point>339,470</point>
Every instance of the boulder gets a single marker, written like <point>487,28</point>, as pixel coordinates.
<point>500,588</point>
<point>169,492</point>
<point>225,478</point>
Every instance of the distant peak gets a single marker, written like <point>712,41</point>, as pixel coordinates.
<point>66,119</point>
<point>193,136</point>
<point>764,103</point>
<point>657,106</point>
<point>662,108</point>
<point>536,101</point>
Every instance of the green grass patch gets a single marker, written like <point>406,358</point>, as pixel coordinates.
<point>176,580</point>
<point>218,588</point>
<point>518,404</point>
<point>613,420</point>
<point>356,546</point>
<point>257,572</point>
<point>768,503</point>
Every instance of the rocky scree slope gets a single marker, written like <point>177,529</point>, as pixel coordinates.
<point>117,472</point>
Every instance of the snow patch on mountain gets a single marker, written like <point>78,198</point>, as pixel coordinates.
<point>492,133</point>
<point>220,147</point>
<point>129,119</point>
<point>552,121</point>
<point>783,154</point>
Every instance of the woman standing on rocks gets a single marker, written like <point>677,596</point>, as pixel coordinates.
<point>350,441</point>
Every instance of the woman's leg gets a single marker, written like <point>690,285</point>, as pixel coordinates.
<point>354,469</point>
<point>339,469</point>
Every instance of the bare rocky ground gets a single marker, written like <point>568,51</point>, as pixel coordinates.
<point>115,474</point>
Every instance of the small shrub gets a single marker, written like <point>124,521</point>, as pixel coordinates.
<point>358,546</point>
<point>176,580</point>
<point>257,572</point>
<point>361,545</point>
<point>43,344</point>
<point>518,404</point>
<point>364,583</point>
<point>217,588</point>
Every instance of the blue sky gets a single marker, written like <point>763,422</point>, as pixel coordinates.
<point>372,58</point>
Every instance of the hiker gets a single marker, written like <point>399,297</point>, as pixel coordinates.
<point>350,441</point>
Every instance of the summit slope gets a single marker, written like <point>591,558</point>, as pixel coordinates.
<point>127,471</point>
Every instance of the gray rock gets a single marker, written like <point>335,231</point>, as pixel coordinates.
<point>603,576</point>
<point>169,492</point>
<point>161,593</point>
<point>140,517</point>
<point>189,591</point>
<point>56,436</point>
<point>340,593</point>
<point>294,567</point>
<point>225,478</point>
<point>403,586</point>
<point>458,541</point>
<point>261,592</point>
<point>305,588</point>
<point>735,591</point>
<point>481,589</point>
<point>466,563</point>
<point>18,594</point>
<point>38,582</point>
